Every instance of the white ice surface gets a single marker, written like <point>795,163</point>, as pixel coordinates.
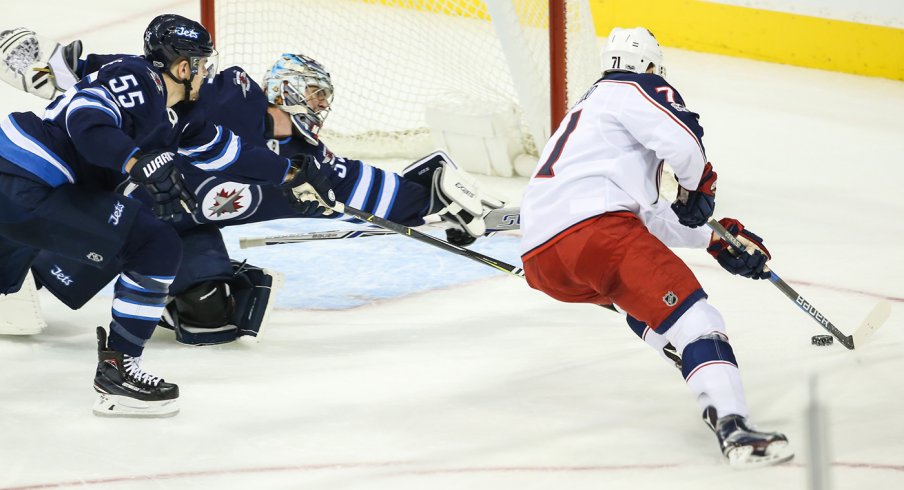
<point>484,383</point>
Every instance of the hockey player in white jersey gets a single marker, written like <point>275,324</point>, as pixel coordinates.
<point>596,231</point>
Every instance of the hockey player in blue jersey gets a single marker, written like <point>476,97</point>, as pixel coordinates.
<point>216,301</point>
<point>56,175</point>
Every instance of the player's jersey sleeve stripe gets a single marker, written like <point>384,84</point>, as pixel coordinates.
<point>388,194</point>
<point>226,157</point>
<point>126,161</point>
<point>59,105</point>
<point>194,150</point>
<point>663,109</point>
<point>21,149</point>
<point>362,187</point>
<point>102,96</point>
<point>80,103</point>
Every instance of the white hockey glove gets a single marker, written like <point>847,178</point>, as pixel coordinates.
<point>455,195</point>
<point>36,64</point>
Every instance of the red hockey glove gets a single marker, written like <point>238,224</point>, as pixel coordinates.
<point>694,208</point>
<point>749,263</point>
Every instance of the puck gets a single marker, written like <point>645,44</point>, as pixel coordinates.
<point>822,340</point>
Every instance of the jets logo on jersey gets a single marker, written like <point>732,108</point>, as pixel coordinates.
<point>118,208</point>
<point>157,81</point>
<point>225,200</point>
<point>241,79</point>
<point>57,272</point>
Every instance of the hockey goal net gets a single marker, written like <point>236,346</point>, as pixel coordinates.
<point>396,64</point>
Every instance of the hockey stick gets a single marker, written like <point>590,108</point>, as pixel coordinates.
<point>501,219</point>
<point>249,242</point>
<point>429,239</point>
<point>873,321</point>
<point>316,236</point>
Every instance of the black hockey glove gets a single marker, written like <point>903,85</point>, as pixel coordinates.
<point>308,186</point>
<point>459,237</point>
<point>694,208</point>
<point>750,263</point>
<point>156,171</point>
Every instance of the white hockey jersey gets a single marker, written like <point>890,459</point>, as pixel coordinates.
<point>607,156</point>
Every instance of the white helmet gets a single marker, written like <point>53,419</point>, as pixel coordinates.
<point>632,50</point>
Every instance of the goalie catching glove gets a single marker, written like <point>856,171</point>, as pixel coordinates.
<point>749,263</point>
<point>455,196</point>
<point>308,186</point>
<point>38,65</point>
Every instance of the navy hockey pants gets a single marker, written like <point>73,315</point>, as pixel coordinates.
<point>97,228</point>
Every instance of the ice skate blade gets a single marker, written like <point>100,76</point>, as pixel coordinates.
<point>123,406</point>
<point>743,457</point>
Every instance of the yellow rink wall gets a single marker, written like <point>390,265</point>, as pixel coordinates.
<point>778,37</point>
<point>743,32</point>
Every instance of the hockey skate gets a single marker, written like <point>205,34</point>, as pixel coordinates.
<point>745,447</point>
<point>125,390</point>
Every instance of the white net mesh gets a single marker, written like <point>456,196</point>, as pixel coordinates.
<point>390,59</point>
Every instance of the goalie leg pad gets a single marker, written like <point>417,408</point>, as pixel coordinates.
<point>254,297</point>
<point>200,315</point>
<point>22,311</point>
<point>218,312</point>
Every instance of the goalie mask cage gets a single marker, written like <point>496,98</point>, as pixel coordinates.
<point>392,59</point>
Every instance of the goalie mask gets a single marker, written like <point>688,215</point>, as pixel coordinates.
<point>301,87</point>
<point>632,50</point>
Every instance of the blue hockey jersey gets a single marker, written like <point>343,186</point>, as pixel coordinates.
<point>233,100</point>
<point>113,114</point>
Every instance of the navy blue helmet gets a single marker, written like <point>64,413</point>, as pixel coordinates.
<point>171,38</point>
